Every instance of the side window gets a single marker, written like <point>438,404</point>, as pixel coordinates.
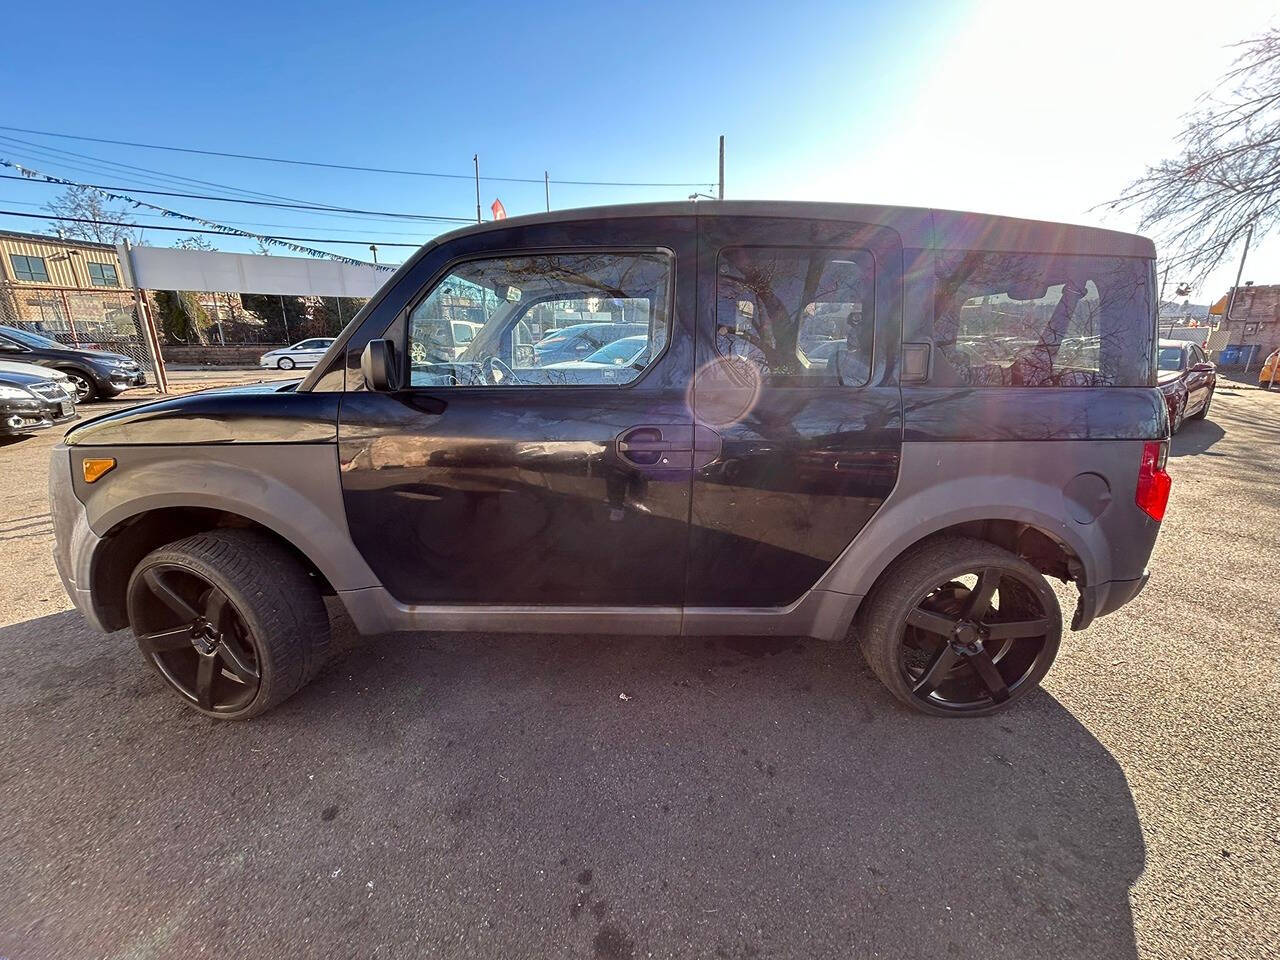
<point>544,320</point>
<point>1040,320</point>
<point>800,317</point>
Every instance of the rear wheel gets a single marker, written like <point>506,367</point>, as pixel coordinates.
<point>961,627</point>
<point>1203,411</point>
<point>285,363</point>
<point>230,620</point>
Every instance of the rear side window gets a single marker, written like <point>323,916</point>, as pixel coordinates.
<point>799,317</point>
<point>1042,320</point>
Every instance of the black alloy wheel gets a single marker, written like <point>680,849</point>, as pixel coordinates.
<point>230,619</point>
<point>962,628</point>
<point>193,635</point>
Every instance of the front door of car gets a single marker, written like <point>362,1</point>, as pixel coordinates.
<point>493,479</point>
<point>798,337</point>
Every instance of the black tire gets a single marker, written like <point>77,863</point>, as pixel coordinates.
<point>1178,418</point>
<point>285,363</point>
<point>271,624</point>
<point>86,390</point>
<point>931,570</point>
<point>1203,411</point>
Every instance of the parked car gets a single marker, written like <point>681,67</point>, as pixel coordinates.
<point>1187,380</point>
<point>96,374</point>
<point>31,402</point>
<point>620,353</point>
<point>578,341</point>
<point>914,503</point>
<point>1270,372</point>
<point>47,373</point>
<point>304,353</point>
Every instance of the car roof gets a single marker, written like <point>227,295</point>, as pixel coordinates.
<point>917,226</point>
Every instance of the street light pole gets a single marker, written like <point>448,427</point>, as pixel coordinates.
<point>722,166</point>
<point>373,248</point>
<point>476,160</point>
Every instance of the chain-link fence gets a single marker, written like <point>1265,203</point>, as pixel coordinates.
<point>89,319</point>
<point>210,319</point>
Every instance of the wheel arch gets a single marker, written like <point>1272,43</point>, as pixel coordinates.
<point>295,498</point>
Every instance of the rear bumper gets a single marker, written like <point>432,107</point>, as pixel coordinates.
<point>1103,598</point>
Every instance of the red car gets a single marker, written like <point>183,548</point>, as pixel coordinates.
<point>1187,379</point>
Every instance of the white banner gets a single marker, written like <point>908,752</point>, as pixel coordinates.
<point>166,268</point>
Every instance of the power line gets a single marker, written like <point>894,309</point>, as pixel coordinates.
<point>218,233</point>
<point>133,169</point>
<point>233,223</point>
<point>256,203</point>
<point>344,166</point>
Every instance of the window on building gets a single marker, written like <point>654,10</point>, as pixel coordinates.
<point>30,269</point>
<point>800,317</point>
<point>103,275</point>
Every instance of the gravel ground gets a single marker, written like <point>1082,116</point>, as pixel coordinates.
<point>495,796</point>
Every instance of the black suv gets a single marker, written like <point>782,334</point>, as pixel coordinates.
<point>97,374</point>
<point>878,422</point>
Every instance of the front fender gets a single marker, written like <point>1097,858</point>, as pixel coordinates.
<point>292,490</point>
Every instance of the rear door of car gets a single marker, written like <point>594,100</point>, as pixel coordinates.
<point>490,480</point>
<point>808,450</point>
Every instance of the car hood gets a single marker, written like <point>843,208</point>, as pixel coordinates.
<point>11,378</point>
<point>31,369</point>
<point>1167,377</point>
<point>253,413</point>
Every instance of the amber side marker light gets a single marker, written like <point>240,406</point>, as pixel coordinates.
<point>95,468</point>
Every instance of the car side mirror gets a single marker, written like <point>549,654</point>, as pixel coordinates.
<point>1203,367</point>
<point>380,366</point>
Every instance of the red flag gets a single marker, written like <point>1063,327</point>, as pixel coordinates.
<point>499,211</point>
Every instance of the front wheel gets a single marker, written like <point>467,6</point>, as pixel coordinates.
<point>286,363</point>
<point>86,389</point>
<point>230,620</point>
<point>960,627</point>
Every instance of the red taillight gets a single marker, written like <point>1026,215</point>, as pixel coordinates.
<point>1153,482</point>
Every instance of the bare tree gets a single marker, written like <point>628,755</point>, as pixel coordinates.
<point>92,219</point>
<point>1200,203</point>
<point>193,242</point>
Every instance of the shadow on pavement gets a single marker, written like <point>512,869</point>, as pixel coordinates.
<point>497,796</point>
<point>1196,436</point>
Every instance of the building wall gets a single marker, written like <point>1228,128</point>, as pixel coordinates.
<point>1255,319</point>
<point>66,262</point>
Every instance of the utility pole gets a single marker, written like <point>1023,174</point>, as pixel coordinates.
<point>722,166</point>
<point>546,185</point>
<point>476,160</point>
<point>1231,301</point>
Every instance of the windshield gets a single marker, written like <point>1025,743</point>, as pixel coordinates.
<point>32,340</point>
<point>1170,358</point>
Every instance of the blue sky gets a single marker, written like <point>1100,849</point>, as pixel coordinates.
<point>994,106</point>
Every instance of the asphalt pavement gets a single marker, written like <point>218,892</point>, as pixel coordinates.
<point>599,797</point>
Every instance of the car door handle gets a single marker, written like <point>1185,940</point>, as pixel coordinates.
<point>669,446</point>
